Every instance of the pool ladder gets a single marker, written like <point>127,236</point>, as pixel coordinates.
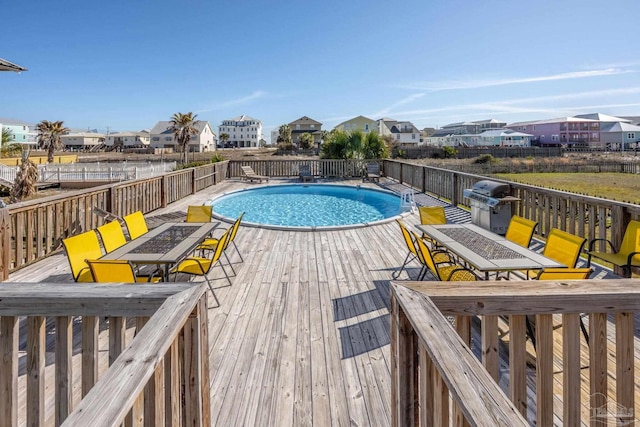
<point>407,202</point>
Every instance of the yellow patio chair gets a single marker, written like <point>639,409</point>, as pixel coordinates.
<point>561,274</point>
<point>446,273</point>
<point>136,224</point>
<point>431,215</point>
<point>440,256</point>
<point>200,266</point>
<point>627,256</point>
<point>520,230</point>
<point>79,248</point>
<point>211,244</point>
<point>199,213</point>
<point>118,270</point>
<point>111,235</point>
<point>562,247</point>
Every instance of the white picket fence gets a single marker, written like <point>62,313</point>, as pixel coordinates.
<point>82,172</point>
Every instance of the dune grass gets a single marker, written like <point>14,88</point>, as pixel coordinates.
<point>621,187</point>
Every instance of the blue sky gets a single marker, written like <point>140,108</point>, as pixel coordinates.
<point>124,65</point>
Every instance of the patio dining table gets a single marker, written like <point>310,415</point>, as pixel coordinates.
<point>165,245</point>
<point>486,251</point>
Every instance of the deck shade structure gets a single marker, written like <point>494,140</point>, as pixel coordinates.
<point>10,66</point>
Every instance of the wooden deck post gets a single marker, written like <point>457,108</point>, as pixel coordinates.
<point>5,243</point>
<point>405,367</point>
<point>9,370</point>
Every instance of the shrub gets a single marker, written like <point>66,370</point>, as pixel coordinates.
<point>449,152</point>
<point>485,159</point>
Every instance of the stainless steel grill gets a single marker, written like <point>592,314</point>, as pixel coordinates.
<point>490,205</point>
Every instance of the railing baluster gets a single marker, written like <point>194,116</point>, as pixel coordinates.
<point>518,362</point>
<point>63,371</point>
<point>625,373</point>
<point>544,369</point>
<point>597,362</point>
<point>571,369</point>
<point>489,337</point>
<point>36,350</point>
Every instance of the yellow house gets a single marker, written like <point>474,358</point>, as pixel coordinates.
<point>361,123</point>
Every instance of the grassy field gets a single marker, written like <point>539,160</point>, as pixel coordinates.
<point>615,186</point>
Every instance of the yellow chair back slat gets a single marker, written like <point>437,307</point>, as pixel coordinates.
<point>424,255</point>
<point>430,215</point>
<point>564,273</point>
<point>136,224</point>
<point>234,230</point>
<point>563,247</point>
<point>79,248</point>
<point>407,238</point>
<point>199,213</point>
<point>631,240</point>
<point>111,235</point>
<point>520,230</point>
<point>116,271</point>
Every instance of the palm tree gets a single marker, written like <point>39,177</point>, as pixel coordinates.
<point>26,178</point>
<point>224,137</point>
<point>8,148</point>
<point>49,134</point>
<point>184,126</point>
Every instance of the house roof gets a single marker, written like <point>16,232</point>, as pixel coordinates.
<point>83,135</point>
<point>602,117</point>
<point>620,127</point>
<point>164,127</point>
<point>404,127</point>
<point>503,132</point>
<point>142,133</point>
<point>354,118</point>
<point>10,66</point>
<point>7,121</point>
<point>304,120</point>
<point>242,118</point>
<point>451,125</point>
<point>556,120</point>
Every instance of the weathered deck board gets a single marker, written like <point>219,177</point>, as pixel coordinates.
<point>301,336</point>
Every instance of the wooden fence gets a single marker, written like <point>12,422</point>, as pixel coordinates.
<point>327,168</point>
<point>470,152</point>
<point>160,377</point>
<point>35,229</point>
<point>433,368</point>
<point>589,217</point>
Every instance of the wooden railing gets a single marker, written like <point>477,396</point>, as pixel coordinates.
<point>434,369</point>
<point>589,217</point>
<point>35,229</point>
<point>328,168</point>
<point>160,377</point>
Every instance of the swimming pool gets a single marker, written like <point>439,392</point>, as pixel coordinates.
<point>307,206</point>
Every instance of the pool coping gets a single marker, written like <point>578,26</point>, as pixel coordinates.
<point>308,228</point>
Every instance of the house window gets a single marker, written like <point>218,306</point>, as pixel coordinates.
<point>413,136</point>
<point>631,136</point>
<point>347,127</point>
<point>398,137</point>
<point>313,127</point>
<point>297,127</point>
<point>366,127</point>
<point>156,138</point>
<point>167,138</point>
<point>555,137</point>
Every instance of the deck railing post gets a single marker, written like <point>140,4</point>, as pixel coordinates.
<point>404,365</point>
<point>454,189</point>
<point>5,243</point>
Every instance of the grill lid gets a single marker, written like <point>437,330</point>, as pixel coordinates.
<point>492,188</point>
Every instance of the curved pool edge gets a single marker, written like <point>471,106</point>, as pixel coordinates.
<point>308,228</point>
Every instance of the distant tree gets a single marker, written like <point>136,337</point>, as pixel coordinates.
<point>25,183</point>
<point>335,145</point>
<point>284,138</point>
<point>184,127</point>
<point>354,144</point>
<point>374,147</point>
<point>8,147</point>
<point>49,134</point>
<point>224,137</point>
<point>306,141</point>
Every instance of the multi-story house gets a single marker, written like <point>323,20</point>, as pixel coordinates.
<point>243,131</point>
<point>305,125</point>
<point>620,136</point>
<point>361,123</point>
<point>82,140</point>
<point>21,132</point>
<point>583,130</point>
<point>492,138</point>
<point>474,127</point>
<point>128,139</point>
<point>402,132</point>
<point>162,137</point>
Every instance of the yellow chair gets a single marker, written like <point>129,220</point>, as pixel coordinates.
<point>520,230</point>
<point>440,256</point>
<point>136,224</point>
<point>210,244</point>
<point>562,247</point>
<point>431,215</point>
<point>445,273</point>
<point>200,266</point>
<point>199,213</point>
<point>118,271</point>
<point>79,248</point>
<point>561,274</point>
<point>111,235</point>
<point>629,254</point>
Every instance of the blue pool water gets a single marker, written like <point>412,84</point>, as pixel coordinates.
<point>314,205</point>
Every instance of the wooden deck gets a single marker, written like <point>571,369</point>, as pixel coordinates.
<point>301,336</point>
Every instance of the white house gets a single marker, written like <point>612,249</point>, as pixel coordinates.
<point>243,131</point>
<point>82,140</point>
<point>162,137</point>
<point>128,139</point>
<point>402,132</point>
